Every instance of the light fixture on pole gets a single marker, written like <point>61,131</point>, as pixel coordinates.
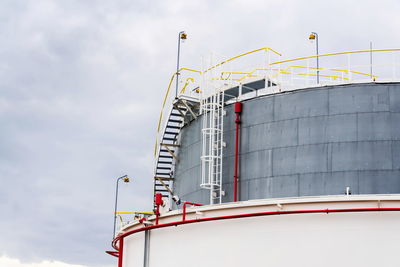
<point>181,37</point>
<point>126,180</point>
<point>314,37</point>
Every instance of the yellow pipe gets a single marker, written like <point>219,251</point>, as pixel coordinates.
<point>234,72</point>
<point>201,72</point>
<point>323,75</point>
<point>284,71</point>
<point>190,79</point>
<point>241,55</point>
<point>165,100</point>
<point>198,71</point>
<point>353,71</point>
<point>335,54</point>
<point>343,70</point>
<point>134,212</point>
<point>273,63</point>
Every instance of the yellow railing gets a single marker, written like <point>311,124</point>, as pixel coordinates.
<point>332,74</point>
<point>124,221</point>
<point>336,54</point>
<point>241,55</point>
<point>192,80</point>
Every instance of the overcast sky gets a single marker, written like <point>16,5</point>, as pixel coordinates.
<point>81,85</point>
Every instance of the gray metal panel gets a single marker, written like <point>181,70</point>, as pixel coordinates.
<point>395,125</point>
<point>258,164</point>
<point>380,182</point>
<point>322,129</point>
<point>396,155</point>
<point>305,143</point>
<point>374,126</point>
<point>376,155</point>
<point>358,98</point>
<point>284,186</point>
<point>394,95</point>
<point>305,104</point>
<point>257,112</point>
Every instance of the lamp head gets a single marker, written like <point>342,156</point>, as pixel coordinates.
<point>183,36</point>
<point>313,36</point>
<point>126,179</point>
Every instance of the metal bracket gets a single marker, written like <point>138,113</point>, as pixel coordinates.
<point>170,152</point>
<point>189,109</point>
<point>166,186</point>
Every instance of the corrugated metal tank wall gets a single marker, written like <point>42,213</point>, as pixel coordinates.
<point>308,142</point>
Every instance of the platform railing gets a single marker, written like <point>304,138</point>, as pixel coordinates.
<point>127,217</point>
<point>375,65</point>
<point>193,81</point>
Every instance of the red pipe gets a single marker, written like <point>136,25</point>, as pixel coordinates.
<point>238,110</point>
<point>157,213</point>
<point>184,208</point>
<point>158,201</point>
<point>120,251</point>
<point>245,215</point>
<point>112,253</point>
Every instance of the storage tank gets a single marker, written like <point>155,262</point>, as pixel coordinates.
<point>308,142</point>
<point>281,164</point>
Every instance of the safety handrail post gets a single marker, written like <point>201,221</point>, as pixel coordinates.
<point>184,208</point>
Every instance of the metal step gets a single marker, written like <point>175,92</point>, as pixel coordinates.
<point>162,190</point>
<point>176,115</point>
<point>173,127</point>
<point>165,156</point>
<point>177,121</point>
<point>160,185</point>
<point>173,133</point>
<point>181,108</point>
<point>168,138</point>
<point>163,168</point>
<point>162,173</point>
<point>157,178</point>
<point>166,150</point>
<point>164,162</point>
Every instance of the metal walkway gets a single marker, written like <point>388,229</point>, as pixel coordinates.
<point>184,109</point>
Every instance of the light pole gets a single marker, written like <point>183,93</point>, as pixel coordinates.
<point>314,36</point>
<point>126,180</point>
<point>182,36</point>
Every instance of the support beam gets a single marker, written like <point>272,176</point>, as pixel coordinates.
<point>189,109</point>
<point>170,152</point>
<point>166,186</point>
<point>179,110</point>
<point>171,145</point>
<point>146,248</point>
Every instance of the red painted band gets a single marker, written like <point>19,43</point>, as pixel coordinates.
<point>237,216</point>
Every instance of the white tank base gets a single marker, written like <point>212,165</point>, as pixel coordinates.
<point>359,238</point>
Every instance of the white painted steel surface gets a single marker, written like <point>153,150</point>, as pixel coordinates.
<point>134,250</point>
<point>323,239</point>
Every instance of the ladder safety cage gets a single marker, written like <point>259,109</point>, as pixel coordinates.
<point>212,108</point>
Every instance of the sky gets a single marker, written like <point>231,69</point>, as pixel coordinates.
<point>81,86</point>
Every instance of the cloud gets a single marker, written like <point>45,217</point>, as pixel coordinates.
<point>10,262</point>
<point>81,85</point>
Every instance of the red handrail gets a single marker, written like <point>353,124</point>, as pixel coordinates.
<point>112,253</point>
<point>184,209</point>
<point>236,216</point>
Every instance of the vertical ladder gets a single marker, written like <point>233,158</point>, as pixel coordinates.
<point>212,145</point>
